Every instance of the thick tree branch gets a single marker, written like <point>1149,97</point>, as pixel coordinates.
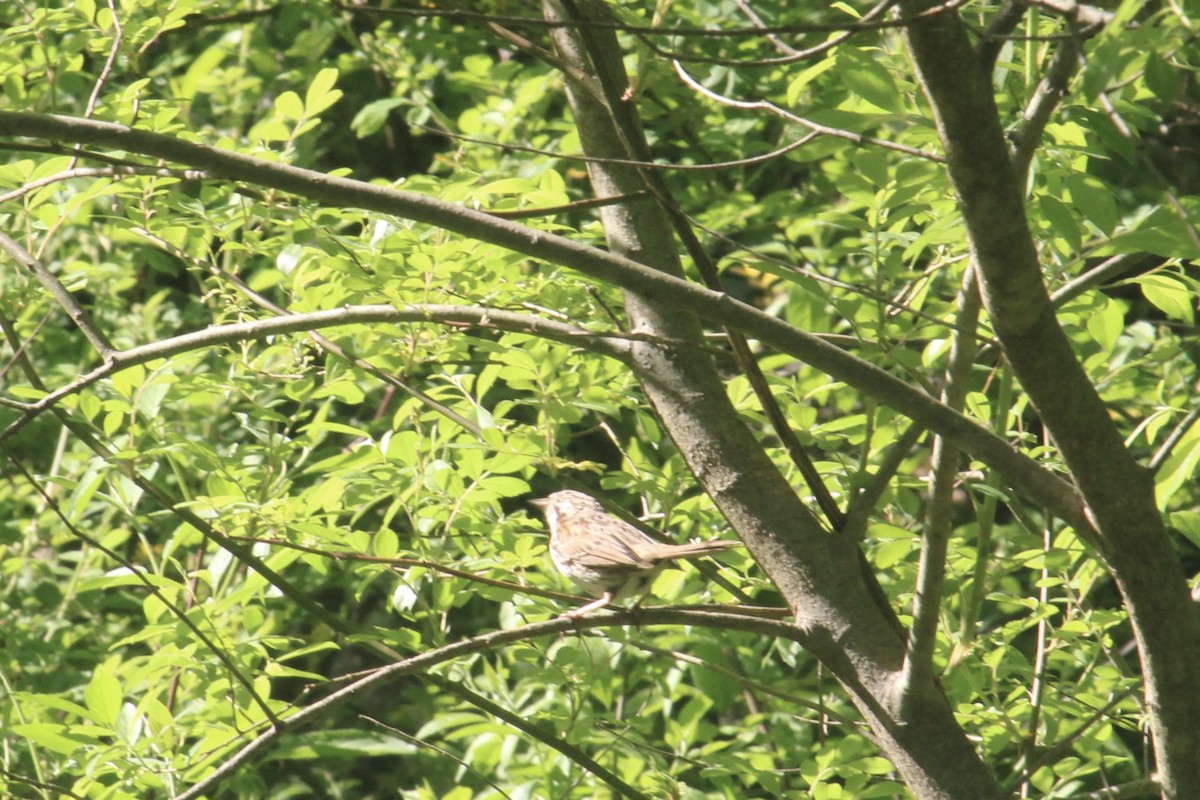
<point>1019,470</point>
<point>626,126</point>
<point>819,575</point>
<point>1119,492</point>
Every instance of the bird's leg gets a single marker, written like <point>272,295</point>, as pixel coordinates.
<point>600,602</point>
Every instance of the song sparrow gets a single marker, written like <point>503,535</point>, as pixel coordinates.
<point>607,557</point>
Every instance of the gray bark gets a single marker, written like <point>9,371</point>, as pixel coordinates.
<point>1118,491</point>
<point>818,573</point>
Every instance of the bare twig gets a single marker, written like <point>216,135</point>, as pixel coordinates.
<point>1147,787</point>
<point>1175,437</point>
<point>101,172</point>
<point>462,763</point>
<point>858,514</point>
<point>1079,13</point>
<point>791,56</point>
<point>118,37</point>
<point>540,22</point>
<point>824,130</point>
<point>758,158</point>
<point>756,686</point>
<point>1038,686</point>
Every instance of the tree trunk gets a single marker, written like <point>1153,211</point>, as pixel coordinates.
<point>817,572</point>
<point>1118,491</point>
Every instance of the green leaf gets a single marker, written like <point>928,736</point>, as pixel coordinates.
<point>1062,222</point>
<point>1161,77</point>
<point>64,739</point>
<point>865,76</point>
<point>1170,295</point>
<point>371,117</point>
<point>1094,200</point>
<point>798,84</point>
<point>103,696</point>
<point>289,106</point>
<point>321,94</point>
<point>1106,325</point>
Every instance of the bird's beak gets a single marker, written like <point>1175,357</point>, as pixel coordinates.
<point>540,503</point>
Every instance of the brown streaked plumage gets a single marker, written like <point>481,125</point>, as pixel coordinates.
<point>605,556</point>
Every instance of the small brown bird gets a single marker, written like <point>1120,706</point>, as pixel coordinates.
<point>607,557</point>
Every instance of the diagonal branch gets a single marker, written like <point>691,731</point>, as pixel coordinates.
<point>1046,98</point>
<point>1119,492</point>
<point>74,310</point>
<point>1021,471</point>
<point>138,572</point>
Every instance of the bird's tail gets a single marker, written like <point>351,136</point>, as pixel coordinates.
<point>667,552</point>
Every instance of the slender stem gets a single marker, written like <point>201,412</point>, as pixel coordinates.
<point>931,569</point>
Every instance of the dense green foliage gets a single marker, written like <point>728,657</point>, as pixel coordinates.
<point>361,465</point>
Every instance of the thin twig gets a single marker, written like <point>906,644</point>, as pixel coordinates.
<point>757,686</point>
<point>139,573</point>
<point>1175,437</point>
<point>748,161</point>
<point>825,130</point>
<point>366,558</point>
<point>102,172</point>
<point>462,763</point>
<point>1079,13</point>
<point>858,513</point>
<point>939,522</point>
<point>106,71</point>
<point>1038,686</point>
<point>792,55</point>
<point>215,335</point>
<point>1102,272</point>
<point>74,310</point>
<point>541,22</point>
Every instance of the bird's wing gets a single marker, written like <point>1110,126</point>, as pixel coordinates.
<point>617,550</point>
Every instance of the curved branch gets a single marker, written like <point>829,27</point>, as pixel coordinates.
<point>825,130</point>
<point>608,344</point>
<point>425,661</point>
